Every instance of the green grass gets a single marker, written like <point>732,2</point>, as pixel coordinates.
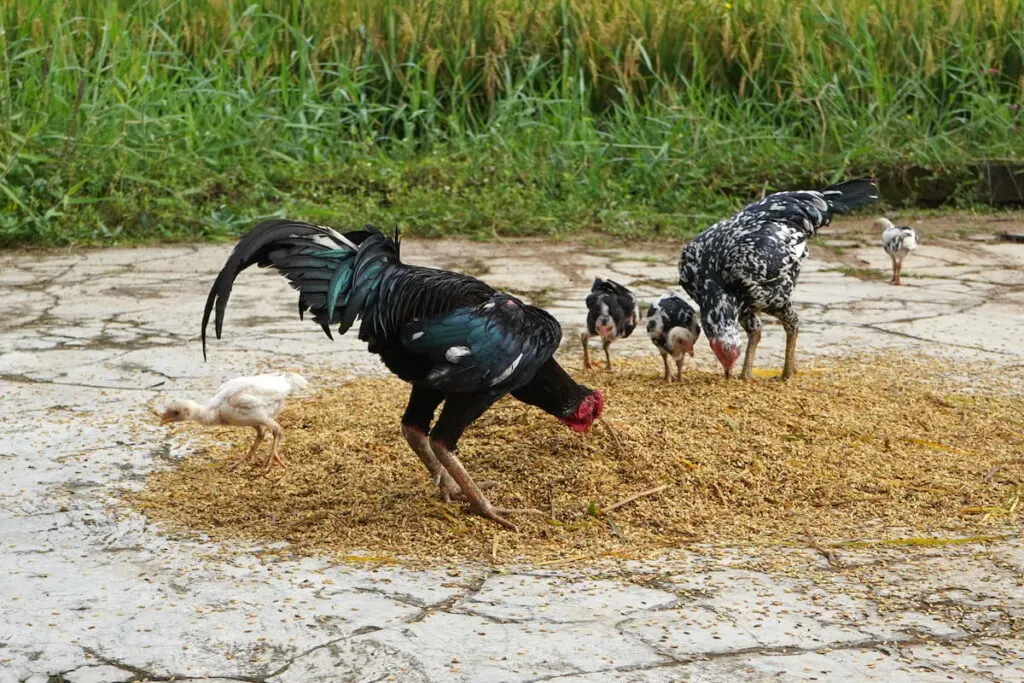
<point>156,120</point>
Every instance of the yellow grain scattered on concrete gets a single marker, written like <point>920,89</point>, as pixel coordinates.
<point>859,448</point>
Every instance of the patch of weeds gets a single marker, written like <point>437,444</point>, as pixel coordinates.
<point>859,273</point>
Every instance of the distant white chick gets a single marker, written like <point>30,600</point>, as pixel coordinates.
<point>243,402</point>
<point>898,241</point>
<point>674,327</point>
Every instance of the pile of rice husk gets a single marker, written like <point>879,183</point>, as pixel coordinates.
<point>858,448</point>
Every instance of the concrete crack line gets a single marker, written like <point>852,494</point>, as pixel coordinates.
<point>845,307</point>
<point>25,379</point>
<point>446,605</point>
<point>868,644</point>
<point>40,320</point>
<point>291,660</point>
<point>40,285</point>
<point>141,674</point>
<point>668,663</point>
<point>425,611</point>
<point>907,335</point>
<point>874,327</point>
<point>403,598</point>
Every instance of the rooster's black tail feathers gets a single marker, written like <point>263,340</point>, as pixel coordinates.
<point>332,271</point>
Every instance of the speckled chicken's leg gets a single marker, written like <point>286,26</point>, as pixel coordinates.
<point>895,279</point>
<point>753,339</point>
<point>791,323</point>
<point>608,356</point>
<point>586,351</point>
<point>679,368</point>
<point>664,359</point>
<point>752,325</point>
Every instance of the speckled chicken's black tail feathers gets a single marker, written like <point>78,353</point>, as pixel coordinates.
<point>851,194</point>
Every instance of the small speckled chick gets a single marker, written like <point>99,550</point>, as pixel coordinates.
<point>612,313</point>
<point>674,328</point>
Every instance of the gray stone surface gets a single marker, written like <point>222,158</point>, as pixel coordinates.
<point>91,592</point>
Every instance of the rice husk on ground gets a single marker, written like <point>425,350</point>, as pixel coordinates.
<point>859,448</point>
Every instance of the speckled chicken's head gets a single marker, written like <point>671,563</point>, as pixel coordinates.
<point>719,321</point>
<point>726,351</point>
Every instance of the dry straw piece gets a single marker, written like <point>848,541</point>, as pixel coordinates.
<point>854,449</point>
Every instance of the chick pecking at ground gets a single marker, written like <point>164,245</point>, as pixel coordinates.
<point>673,326</point>
<point>243,402</point>
<point>612,313</point>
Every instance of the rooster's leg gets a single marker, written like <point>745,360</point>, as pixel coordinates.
<point>664,359</point>
<point>420,445</point>
<point>419,413</point>
<point>791,323</point>
<point>478,502</point>
<point>752,325</point>
<point>459,412</point>
<point>449,490</point>
<point>608,356</point>
<point>586,351</point>
<point>415,424</point>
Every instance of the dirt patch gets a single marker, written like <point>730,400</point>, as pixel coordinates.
<point>855,449</point>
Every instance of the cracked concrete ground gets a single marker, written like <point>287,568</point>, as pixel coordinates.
<point>93,593</point>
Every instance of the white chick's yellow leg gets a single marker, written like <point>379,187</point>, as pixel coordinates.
<point>275,451</point>
<point>261,431</point>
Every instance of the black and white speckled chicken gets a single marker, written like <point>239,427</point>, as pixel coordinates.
<point>612,314</point>
<point>898,241</point>
<point>674,327</point>
<point>749,264</point>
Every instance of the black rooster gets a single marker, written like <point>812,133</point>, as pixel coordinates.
<point>749,264</point>
<point>454,338</point>
<point>611,313</point>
